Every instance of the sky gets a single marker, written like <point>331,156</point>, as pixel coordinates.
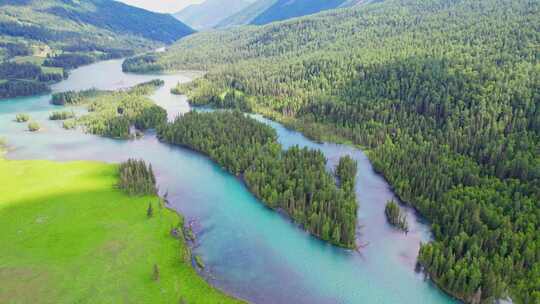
<point>162,6</point>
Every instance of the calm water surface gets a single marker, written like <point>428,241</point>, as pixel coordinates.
<point>250,251</point>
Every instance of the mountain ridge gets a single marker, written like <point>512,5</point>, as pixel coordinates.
<point>209,13</point>
<point>266,11</point>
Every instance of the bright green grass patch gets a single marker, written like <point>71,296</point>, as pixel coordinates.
<point>69,236</point>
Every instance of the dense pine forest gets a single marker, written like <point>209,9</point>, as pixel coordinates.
<point>117,114</point>
<point>445,96</point>
<point>137,178</point>
<point>295,180</point>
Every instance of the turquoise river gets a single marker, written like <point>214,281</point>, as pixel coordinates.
<point>250,251</point>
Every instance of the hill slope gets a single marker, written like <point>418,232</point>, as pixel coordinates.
<point>266,11</point>
<point>286,9</point>
<point>209,13</point>
<point>450,114</point>
<point>56,35</point>
<point>246,15</point>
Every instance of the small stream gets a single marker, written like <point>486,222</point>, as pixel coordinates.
<point>249,250</point>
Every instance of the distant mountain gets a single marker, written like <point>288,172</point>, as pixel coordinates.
<point>266,11</point>
<point>286,9</point>
<point>211,12</point>
<point>45,38</point>
<point>248,14</point>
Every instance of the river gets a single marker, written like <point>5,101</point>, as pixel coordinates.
<point>250,251</point>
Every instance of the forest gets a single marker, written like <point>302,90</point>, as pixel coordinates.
<point>14,88</point>
<point>395,216</point>
<point>137,178</point>
<point>75,97</point>
<point>448,114</point>
<point>295,180</point>
<point>24,79</point>
<point>118,114</point>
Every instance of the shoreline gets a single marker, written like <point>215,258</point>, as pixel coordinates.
<point>288,124</point>
<point>166,218</point>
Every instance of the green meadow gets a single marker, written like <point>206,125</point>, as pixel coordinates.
<point>69,236</point>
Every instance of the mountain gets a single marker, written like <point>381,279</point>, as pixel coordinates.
<point>450,116</point>
<point>209,13</point>
<point>246,15</point>
<point>286,9</point>
<point>41,39</point>
<point>266,11</point>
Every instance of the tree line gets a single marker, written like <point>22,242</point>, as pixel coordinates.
<point>117,114</point>
<point>295,180</point>
<point>24,79</point>
<point>137,178</point>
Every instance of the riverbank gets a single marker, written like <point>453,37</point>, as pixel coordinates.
<point>249,251</point>
<point>322,133</point>
<point>71,235</point>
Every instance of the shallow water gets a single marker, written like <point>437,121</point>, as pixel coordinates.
<point>250,251</point>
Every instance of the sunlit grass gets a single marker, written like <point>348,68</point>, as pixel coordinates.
<point>69,236</point>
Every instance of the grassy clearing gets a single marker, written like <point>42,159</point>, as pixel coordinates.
<point>69,236</point>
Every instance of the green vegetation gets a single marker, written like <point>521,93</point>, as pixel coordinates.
<point>449,115</point>
<point>61,115</point>
<point>22,117</point>
<point>23,78</point>
<point>66,218</point>
<point>69,124</point>
<point>395,217</point>
<point>3,144</point>
<point>199,262</point>
<point>18,88</point>
<point>117,114</point>
<point>295,180</point>
<point>40,40</point>
<point>346,172</point>
<point>136,178</point>
<point>34,126</point>
<point>75,98</point>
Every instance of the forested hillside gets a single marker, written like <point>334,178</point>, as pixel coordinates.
<point>52,36</point>
<point>445,95</point>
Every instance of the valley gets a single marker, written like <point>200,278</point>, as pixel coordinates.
<point>268,151</point>
<point>41,41</point>
<point>284,263</point>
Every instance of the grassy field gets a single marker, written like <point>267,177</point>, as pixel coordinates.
<point>68,236</point>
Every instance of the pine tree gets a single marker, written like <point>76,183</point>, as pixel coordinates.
<point>155,274</point>
<point>150,210</point>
